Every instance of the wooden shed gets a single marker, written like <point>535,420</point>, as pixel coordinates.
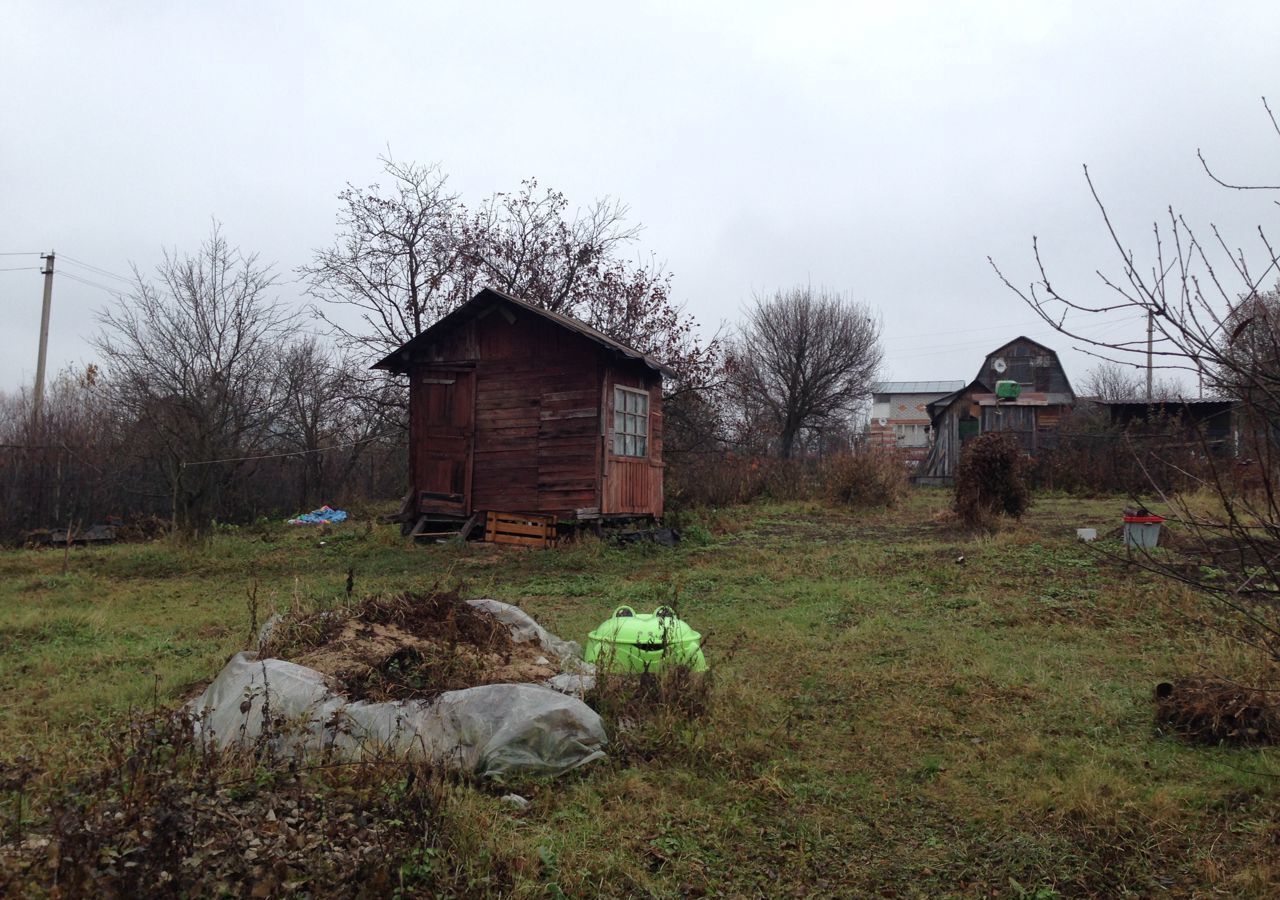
<point>1034,416</point>
<point>516,409</point>
<point>1206,421</point>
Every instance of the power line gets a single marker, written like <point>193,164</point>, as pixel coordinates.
<point>909,353</point>
<point>206,462</point>
<point>115,292</point>
<point>22,253</point>
<point>1001,327</point>
<point>953,345</point>
<point>97,269</point>
<point>21,269</point>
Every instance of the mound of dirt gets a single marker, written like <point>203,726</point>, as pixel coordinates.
<point>1209,711</point>
<point>410,647</point>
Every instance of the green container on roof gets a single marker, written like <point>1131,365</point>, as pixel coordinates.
<point>629,642</point>
<point>1008,390</point>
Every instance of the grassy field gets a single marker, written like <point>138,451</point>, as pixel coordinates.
<point>886,718</point>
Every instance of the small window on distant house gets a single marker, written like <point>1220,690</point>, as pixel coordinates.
<point>1044,378</point>
<point>630,422</point>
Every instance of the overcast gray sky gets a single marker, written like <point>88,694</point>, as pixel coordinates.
<point>881,149</point>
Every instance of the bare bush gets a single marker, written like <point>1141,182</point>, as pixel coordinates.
<point>866,478</point>
<point>1094,457</point>
<point>165,816</point>
<point>992,480</point>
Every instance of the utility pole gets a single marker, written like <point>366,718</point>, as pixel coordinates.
<point>1150,328</point>
<point>38,399</point>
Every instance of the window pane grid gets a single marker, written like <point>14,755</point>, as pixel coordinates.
<point>630,422</point>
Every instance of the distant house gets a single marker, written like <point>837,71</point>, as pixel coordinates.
<point>516,409</point>
<point>900,416</point>
<point>1034,416</point>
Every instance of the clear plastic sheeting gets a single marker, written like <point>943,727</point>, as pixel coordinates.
<point>488,731</point>
<point>575,684</point>
<point>578,677</point>
<point>524,628</point>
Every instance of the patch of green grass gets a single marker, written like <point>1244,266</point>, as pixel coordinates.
<point>898,706</point>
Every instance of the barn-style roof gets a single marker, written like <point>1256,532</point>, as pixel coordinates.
<point>1023,338</point>
<point>397,361</point>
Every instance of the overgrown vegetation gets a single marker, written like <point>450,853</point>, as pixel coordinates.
<point>992,480</point>
<point>865,479</point>
<point>1213,711</point>
<point>162,815</point>
<point>880,717</point>
<point>1211,311</point>
<point>1092,457</point>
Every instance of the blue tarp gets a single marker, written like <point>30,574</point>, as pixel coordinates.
<point>320,516</point>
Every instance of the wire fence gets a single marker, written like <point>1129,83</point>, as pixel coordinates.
<point>48,486</point>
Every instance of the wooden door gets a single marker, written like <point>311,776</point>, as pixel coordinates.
<point>442,419</point>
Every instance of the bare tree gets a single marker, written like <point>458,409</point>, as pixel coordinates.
<point>1249,348</point>
<point>191,365</point>
<point>65,464</point>
<point>312,414</point>
<point>529,247</point>
<point>1212,318</point>
<point>325,418</point>
<point>411,253</point>
<point>804,360</point>
<point>404,257</point>
<point>1111,381</point>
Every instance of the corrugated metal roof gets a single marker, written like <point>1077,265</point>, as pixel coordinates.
<point>915,387</point>
<point>396,360</point>
<point>1170,401</point>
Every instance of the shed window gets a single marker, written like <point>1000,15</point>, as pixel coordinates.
<point>630,422</point>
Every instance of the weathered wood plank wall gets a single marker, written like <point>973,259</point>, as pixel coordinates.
<point>540,440</point>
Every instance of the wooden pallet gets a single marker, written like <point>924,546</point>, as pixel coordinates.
<point>521,529</point>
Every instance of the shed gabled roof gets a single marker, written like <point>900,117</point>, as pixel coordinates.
<point>944,402</point>
<point>397,360</point>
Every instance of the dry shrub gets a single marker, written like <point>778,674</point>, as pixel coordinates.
<point>711,479</point>
<point>662,713</point>
<point>1108,460</point>
<point>138,528</point>
<point>1210,711</point>
<point>165,815</point>
<point>716,479</point>
<point>675,690</point>
<point>790,479</point>
<point>655,715</point>
<point>991,480</point>
<point>865,479</point>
